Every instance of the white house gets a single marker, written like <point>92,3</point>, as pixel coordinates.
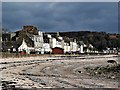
<point>81,48</point>
<point>45,43</point>
<point>57,41</point>
<point>66,48</point>
<point>46,47</point>
<point>73,46</point>
<point>24,46</point>
<point>38,41</point>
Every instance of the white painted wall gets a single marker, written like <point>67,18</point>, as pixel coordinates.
<point>38,40</point>
<point>49,36</point>
<point>66,48</point>
<point>81,49</point>
<point>24,46</point>
<point>46,47</point>
<point>73,46</point>
<point>53,42</point>
<point>58,44</point>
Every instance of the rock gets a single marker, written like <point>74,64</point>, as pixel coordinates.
<point>79,71</point>
<point>96,72</point>
<point>112,61</point>
<point>42,83</point>
<point>113,77</point>
<point>4,68</point>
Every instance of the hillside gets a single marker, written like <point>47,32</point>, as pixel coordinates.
<point>100,40</point>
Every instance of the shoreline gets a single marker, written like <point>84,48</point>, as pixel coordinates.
<point>22,58</point>
<point>44,57</point>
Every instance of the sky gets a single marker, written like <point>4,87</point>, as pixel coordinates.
<point>60,0</point>
<point>61,16</point>
<point>0,15</point>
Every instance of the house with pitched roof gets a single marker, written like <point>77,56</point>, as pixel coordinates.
<point>30,39</point>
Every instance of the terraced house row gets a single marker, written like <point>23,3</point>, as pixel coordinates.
<point>32,40</point>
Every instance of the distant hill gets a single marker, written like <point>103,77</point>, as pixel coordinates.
<point>100,40</point>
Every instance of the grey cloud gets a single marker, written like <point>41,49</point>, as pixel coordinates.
<point>0,14</point>
<point>62,16</point>
<point>60,0</point>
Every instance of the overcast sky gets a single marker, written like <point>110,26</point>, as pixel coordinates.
<point>60,0</point>
<point>61,16</point>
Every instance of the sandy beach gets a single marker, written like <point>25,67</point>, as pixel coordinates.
<point>55,71</point>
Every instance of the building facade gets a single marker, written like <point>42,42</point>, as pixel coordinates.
<point>31,39</point>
